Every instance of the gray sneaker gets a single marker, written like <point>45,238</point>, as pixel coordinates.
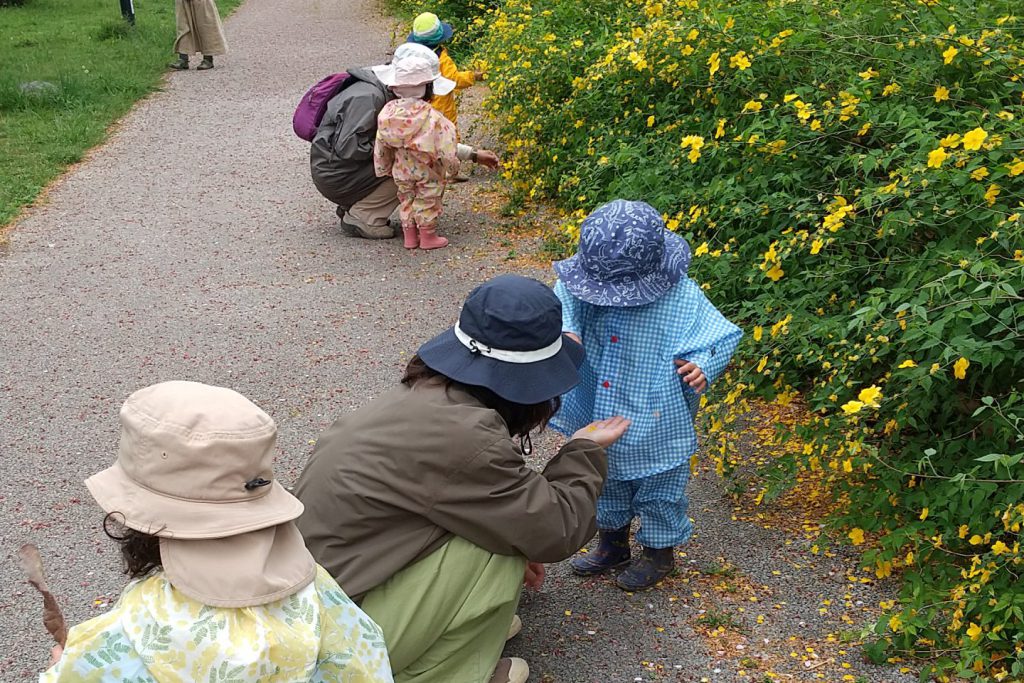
<point>370,232</point>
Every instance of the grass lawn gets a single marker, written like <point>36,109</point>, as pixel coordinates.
<point>98,67</point>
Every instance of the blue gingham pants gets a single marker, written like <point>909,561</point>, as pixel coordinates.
<point>660,502</point>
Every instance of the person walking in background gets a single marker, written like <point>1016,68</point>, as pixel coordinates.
<point>429,30</point>
<point>654,343</point>
<point>199,30</point>
<point>416,144</point>
<point>222,586</point>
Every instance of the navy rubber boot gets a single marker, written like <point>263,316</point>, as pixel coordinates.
<point>612,551</point>
<point>653,565</point>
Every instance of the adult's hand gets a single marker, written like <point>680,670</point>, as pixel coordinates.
<point>604,432</point>
<point>534,576</point>
<point>55,654</point>
<point>487,158</point>
<point>692,375</point>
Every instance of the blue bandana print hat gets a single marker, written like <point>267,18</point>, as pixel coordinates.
<point>626,256</point>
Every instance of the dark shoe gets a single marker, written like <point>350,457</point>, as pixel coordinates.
<point>461,178</point>
<point>207,63</point>
<point>181,64</point>
<point>653,565</point>
<point>369,232</point>
<point>612,551</point>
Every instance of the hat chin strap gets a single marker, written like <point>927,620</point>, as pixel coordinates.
<point>503,354</point>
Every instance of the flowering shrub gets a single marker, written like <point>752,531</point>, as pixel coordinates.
<point>850,174</point>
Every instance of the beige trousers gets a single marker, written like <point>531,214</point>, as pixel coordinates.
<point>199,28</point>
<point>376,208</point>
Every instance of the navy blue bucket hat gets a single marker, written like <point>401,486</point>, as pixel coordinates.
<point>509,339</point>
<point>626,256</point>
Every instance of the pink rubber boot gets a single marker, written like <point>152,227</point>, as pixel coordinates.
<point>410,236</point>
<point>430,240</point>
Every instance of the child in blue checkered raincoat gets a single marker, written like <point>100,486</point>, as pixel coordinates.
<point>654,343</point>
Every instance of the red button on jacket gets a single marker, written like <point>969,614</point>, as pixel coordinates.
<point>615,340</point>
<point>606,384</point>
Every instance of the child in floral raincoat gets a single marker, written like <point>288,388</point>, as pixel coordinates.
<point>416,144</point>
<point>654,343</point>
<point>223,587</point>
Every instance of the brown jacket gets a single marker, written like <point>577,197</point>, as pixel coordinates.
<point>391,482</point>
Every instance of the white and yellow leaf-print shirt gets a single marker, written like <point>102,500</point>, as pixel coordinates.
<point>155,634</point>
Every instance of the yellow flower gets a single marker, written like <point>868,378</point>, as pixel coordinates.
<point>975,540</point>
<point>907,364</point>
<point>941,94</point>
<point>713,64</point>
<point>650,121</point>
<point>936,157</point>
<point>960,368</point>
<point>979,173</point>
<point>758,332</point>
<point>870,396</point>
<point>962,533</point>
<point>868,74</point>
<point>847,466</point>
<point>891,89</point>
<point>924,514</point>
<point>740,61</point>
<point>815,125</point>
<point>1000,548</point>
<point>864,129</point>
<point>973,139</point>
<point>894,625</point>
<point>602,161</point>
<point>752,105</point>
<point>775,272</point>
<point>856,536</point>
<point>1016,168</point>
<point>852,407</point>
<point>949,54</point>
<point>950,141</point>
<point>991,193</point>
<point>816,246</point>
<point>720,131</point>
<point>973,631</point>
<point>701,250</point>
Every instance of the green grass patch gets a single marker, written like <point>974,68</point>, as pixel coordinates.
<point>88,67</point>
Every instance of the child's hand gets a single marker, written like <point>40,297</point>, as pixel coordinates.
<point>692,375</point>
<point>575,337</point>
<point>604,432</point>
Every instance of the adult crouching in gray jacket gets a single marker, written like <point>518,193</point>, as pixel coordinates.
<point>341,157</point>
<point>420,503</point>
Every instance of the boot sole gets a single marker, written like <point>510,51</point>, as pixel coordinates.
<point>598,571</point>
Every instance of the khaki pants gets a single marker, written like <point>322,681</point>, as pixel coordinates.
<point>445,618</point>
<point>375,209</point>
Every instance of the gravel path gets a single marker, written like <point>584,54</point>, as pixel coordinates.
<point>193,246</point>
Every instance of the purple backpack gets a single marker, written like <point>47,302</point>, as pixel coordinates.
<point>313,104</point>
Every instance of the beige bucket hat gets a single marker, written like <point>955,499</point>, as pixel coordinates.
<point>194,467</point>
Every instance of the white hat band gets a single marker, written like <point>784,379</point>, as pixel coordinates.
<point>506,355</point>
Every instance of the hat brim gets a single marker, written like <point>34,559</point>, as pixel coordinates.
<point>522,383</point>
<point>630,290</point>
<point>160,515</point>
<point>447,34</point>
<point>249,569</point>
<point>385,73</point>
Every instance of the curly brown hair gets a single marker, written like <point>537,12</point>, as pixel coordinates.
<point>140,552</point>
<point>521,419</point>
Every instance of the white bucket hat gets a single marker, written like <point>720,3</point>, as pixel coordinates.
<point>414,64</point>
<point>194,467</point>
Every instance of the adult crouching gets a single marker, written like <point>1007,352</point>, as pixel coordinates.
<point>341,156</point>
<point>421,505</point>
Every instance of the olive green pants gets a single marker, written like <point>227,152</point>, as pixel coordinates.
<point>445,617</point>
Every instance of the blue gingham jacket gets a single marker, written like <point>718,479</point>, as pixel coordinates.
<point>629,370</point>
